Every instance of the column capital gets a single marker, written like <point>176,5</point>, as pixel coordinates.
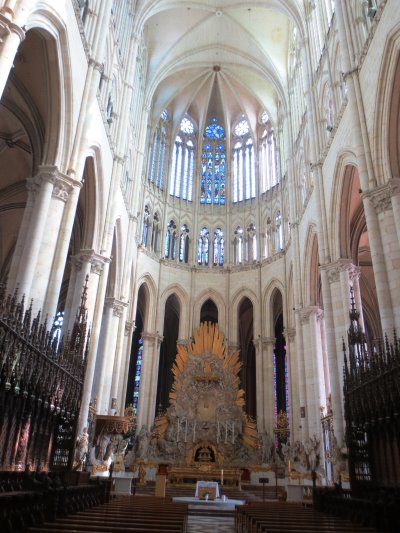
<point>116,305</point>
<point>289,334</point>
<point>264,342</point>
<point>7,26</point>
<point>96,260</point>
<point>334,269</point>
<point>306,312</point>
<point>130,327</point>
<point>63,185</point>
<point>381,197</point>
<point>151,338</point>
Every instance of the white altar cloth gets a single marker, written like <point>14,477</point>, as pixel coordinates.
<point>207,484</point>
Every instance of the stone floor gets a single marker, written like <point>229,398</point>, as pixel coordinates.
<point>208,524</point>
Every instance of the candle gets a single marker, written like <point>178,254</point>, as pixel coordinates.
<point>226,432</point>
<point>177,432</point>
<point>217,431</point>
<point>233,432</point>
<point>186,430</point>
<point>222,476</point>
<point>194,431</point>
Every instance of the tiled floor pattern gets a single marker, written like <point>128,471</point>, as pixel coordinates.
<point>210,524</point>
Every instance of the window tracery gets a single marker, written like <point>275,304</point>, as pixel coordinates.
<point>146,224</point>
<point>183,161</point>
<point>158,153</point>
<point>244,174</point>
<point>213,165</point>
<point>203,247</point>
<point>184,244</point>
<point>268,158</point>
<point>219,247</point>
<point>238,244</point>
<point>170,241</point>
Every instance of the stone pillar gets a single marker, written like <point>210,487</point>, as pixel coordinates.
<point>260,385</point>
<point>315,386</point>
<point>269,421</point>
<point>11,36</point>
<point>99,267</point>
<point>301,372</point>
<point>24,263</point>
<point>119,347</point>
<point>395,197</point>
<point>39,258</point>
<point>113,310</point>
<point>293,377</point>
<point>62,244</point>
<point>388,264</point>
<point>129,329</point>
<point>148,379</point>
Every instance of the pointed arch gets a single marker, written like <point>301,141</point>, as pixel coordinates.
<point>147,306</point>
<point>219,302</point>
<point>274,286</point>
<point>59,134</point>
<point>312,285</point>
<point>183,299</point>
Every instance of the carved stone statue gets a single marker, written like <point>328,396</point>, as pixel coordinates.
<point>143,440</point>
<point>81,450</point>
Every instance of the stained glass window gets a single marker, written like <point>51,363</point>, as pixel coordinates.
<point>138,371</point>
<point>278,232</point>
<point>243,171</point>
<point>183,160</point>
<point>57,328</point>
<point>184,244</point>
<point>203,246</point>
<point>219,250</point>
<point>170,241</point>
<point>145,228</point>
<point>213,165</point>
<point>238,245</point>
<point>158,149</point>
<point>268,157</point>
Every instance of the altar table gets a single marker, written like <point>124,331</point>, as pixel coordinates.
<point>204,485</point>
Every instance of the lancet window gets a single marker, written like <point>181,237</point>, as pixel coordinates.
<point>213,164</point>
<point>183,161</point>
<point>170,241</point>
<point>184,244</point>
<point>146,224</point>
<point>252,242</point>
<point>158,150</point>
<point>57,329</point>
<point>243,171</point>
<point>278,232</point>
<point>218,247</point>
<point>203,247</point>
<point>154,232</point>
<point>268,157</point>
<point>238,245</point>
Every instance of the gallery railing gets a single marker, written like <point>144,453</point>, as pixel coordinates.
<point>41,383</point>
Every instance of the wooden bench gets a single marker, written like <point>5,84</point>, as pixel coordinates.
<point>292,518</point>
<point>134,514</point>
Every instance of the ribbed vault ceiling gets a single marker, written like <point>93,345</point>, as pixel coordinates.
<point>207,54</point>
